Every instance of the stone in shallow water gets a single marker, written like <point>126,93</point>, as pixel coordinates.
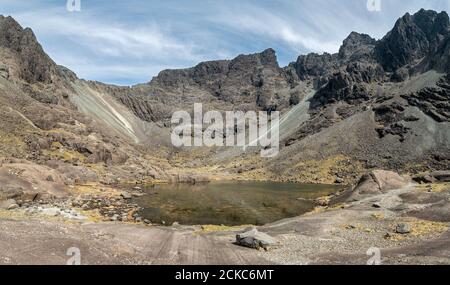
<point>255,239</point>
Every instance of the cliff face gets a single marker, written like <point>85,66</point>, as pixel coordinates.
<point>248,82</point>
<point>413,38</point>
<point>34,64</point>
<point>417,43</point>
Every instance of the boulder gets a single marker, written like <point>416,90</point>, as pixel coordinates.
<point>255,239</point>
<point>126,195</point>
<point>403,228</point>
<point>378,182</point>
<point>9,204</point>
<point>433,177</point>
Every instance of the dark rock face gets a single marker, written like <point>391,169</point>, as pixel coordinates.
<point>412,38</point>
<point>314,65</point>
<point>248,82</point>
<point>35,65</point>
<point>247,78</point>
<point>440,60</point>
<point>356,46</point>
<point>435,102</point>
<point>341,87</point>
<point>416,44</point>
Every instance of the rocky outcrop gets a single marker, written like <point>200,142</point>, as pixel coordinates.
<point>35,64</point>
<point>433,177</point>
<point>377,182</point>
<point>341,87</point>
<point>247,82</point>
<point>255,239</point>
<point>412,38</point>
<point>435,102</point>
<point>357,47</point>
<point>315,65</point>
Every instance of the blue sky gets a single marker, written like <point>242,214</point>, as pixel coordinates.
<point>129,42</point>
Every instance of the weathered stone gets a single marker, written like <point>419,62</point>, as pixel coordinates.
<point>379,181</point>
<point>8,204</point>
<point>255,239</point>
<point>403,228</point>
<point>126,195</point>
<point>339,180</point>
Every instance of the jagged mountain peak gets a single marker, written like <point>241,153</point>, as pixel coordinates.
<point>356,45</point>
<point>209,70</point>
<point>412,38</point>
<point>35,64</point>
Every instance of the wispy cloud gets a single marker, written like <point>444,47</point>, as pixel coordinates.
<point>257,21</point>
<point>128,42</point>
<point>111,39</point>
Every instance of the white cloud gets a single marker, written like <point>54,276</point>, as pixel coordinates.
<point>108,38</point>
<point>296,33</point>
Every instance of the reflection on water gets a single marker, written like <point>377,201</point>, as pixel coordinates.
<point>229,203</point>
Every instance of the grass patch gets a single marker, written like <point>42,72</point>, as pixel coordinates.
<point>222,228</point>
<point>58,151</point>
<point>419,229</point>
<point>435,187</point>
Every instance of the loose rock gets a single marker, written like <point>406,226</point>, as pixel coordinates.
<point>403,228</point>
<point>255,239</point>
<point>126,195</point>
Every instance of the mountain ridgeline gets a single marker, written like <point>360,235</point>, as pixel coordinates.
<point>418,43</point>
<point>374,104</point>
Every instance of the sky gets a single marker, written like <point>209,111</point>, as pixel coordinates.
<point>129,42</point>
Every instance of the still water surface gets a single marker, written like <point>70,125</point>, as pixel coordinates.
<point>229,203</point>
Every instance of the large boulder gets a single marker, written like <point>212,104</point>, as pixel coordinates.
<point>27,182</point>
<point>378,182</point>
<point>255,239</point>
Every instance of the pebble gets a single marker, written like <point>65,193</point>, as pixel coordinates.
<point>126,195</point>
<point>403,228</point>
<point>339,180</point>
<point>13,206</point>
